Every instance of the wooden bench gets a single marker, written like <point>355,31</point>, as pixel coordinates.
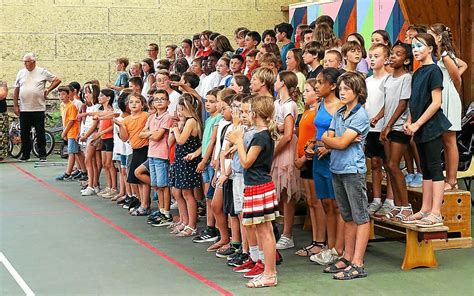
<point>419,250</point>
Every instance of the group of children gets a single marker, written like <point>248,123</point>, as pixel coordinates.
<point>244,134</point>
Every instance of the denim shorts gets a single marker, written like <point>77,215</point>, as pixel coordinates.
<point>158,171</point>
<point>72,146</point>
<point>207,174</point>
<point>351,197</point>
<point>123,161</point>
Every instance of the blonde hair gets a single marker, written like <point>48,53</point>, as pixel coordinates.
<point>266,76</point>
<point>263,107</point>
<point>193,106</point>
<point>224,93</point>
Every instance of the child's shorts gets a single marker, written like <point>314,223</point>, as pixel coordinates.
<point>228,196</point>
<point>123,161</point>
<point>108,145</point>
<point>238,187</point>
<point>158,171</point>
<point>373,146</point>
<point>210,192</point>
<point>116,157</point>
<point>207,174</point>
<point>72,146</point>
<point>323,178</point>
<point>399,137</point>
<point>351,197</point>
<point>139,156</point>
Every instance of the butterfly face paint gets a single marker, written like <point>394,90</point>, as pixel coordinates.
<point>420,50</point>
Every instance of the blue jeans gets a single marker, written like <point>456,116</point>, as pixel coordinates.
<point>158,171</point>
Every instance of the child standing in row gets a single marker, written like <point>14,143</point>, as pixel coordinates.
<point>260,200</point>
<point>427,123</point>
<point>346,137</point>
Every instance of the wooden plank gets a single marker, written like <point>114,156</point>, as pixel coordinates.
<point>452,243</point>
<point>411,226</point>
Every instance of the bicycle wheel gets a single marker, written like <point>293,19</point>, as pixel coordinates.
<point>49,144</point>
<point>14,150</point>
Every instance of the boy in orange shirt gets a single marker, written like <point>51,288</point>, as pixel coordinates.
<point>70,131</point>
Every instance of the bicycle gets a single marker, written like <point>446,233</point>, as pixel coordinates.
<point>14,141</point>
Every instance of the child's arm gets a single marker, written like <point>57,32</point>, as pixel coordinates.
<point>288,126</point>
<point>342,142</point>
<point>101,133</point>
<point>66,129</point>
<point>158,134</point>
<point>429,112</point>
<point>209,151</point>
<point>182,137</point>
<point>171,138</point>
<point>462,66</point>
<point>90,131</point>
<point>453,71</point>
<point>377,117</point>
<point>246,158</point>
<point>123,133</point>
<point>402,106</point>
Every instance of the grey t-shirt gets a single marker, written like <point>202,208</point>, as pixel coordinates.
<point>32,87</point>
<point>396,89</point>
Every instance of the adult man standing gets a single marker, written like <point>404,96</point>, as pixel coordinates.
<point>153,53</point>
<point>30,89</point>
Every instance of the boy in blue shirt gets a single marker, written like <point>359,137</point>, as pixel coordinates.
<point>284,31</point>
<point>345,138</point>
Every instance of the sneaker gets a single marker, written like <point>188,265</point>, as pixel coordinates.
<point>409,178</point>
<point>75,174</point>
<point>134,203</point>
<point>257,270</point>
<point>110,194</point>
<point>24,158</point>
<point>235,254</point>
<point>163,221</point>
<point>64,177</point>
<point>245,267</point>
<point>83,177</point>
<point>325,257</point>
<point>156,214</point>
<point>417,181</point>
<point>139,211</point>
<point>374,207</point>
<point>103,191</point>
<point>123,201</point>
<point>285,243</point>
<point>384,210</point>
<point>88,191</point>
<point>227,251</point>
<point>43,159</point>
<point>238,259</point>
<point>174,206</point>
<point>127,203</point>
<point>208,235</point>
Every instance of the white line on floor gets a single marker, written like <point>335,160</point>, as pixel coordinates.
<point>15,275</point>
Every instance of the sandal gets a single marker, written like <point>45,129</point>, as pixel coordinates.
<point>306,251</point>
<point>216,246</point>
<point>179,227</point>
<point>258,282</point>
<point>414,218</point>
<point>400,217</point>
<point>431,221</point>
<point>393,213</point>
<point>185,232</point>
<point>333,267</point>
<point>351,272</point>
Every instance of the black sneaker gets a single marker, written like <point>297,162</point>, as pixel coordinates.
<point>237,253</point>
<point>135,203</point>
<point>164,221</point>
<point>43,159</point>
<point>64,177</point>
<point>238,260</point>
<point>227,252</point>
<point>24,158</point>
<point>154,216</point>
<point>207,235</point>
<point>126,205</point>
<point>75,173</point>
<point>76,176</point>
<point>124,201</point>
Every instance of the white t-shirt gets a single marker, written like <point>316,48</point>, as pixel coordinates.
<point>198,88</point>
<point>174,100</point>
<point>394,90</point>
<point>32,87</point>
<point>209,83</point>
<point>217,146</point>
<point>89,120</point>
<point>374,102</point>
<point>121,147</point>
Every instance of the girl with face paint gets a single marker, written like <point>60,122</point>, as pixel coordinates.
<point>426,123</point>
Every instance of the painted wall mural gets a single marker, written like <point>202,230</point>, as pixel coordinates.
<point>363,16</point>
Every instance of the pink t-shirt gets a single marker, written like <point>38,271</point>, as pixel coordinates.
<point>159,149</point>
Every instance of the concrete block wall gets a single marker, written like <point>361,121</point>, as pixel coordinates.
<point>80,39</point>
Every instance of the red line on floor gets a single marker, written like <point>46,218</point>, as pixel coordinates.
<point>130,235</point>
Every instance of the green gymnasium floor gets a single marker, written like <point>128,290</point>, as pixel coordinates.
<point>60,243</point>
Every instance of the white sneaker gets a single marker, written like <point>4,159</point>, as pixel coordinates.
<point>325,257</point>
<point>374,207</point>
<point>174,206</point>
<point>88,191</point>
<point>285,243</point>
<point>104,191</point>
<point>110,193</point>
